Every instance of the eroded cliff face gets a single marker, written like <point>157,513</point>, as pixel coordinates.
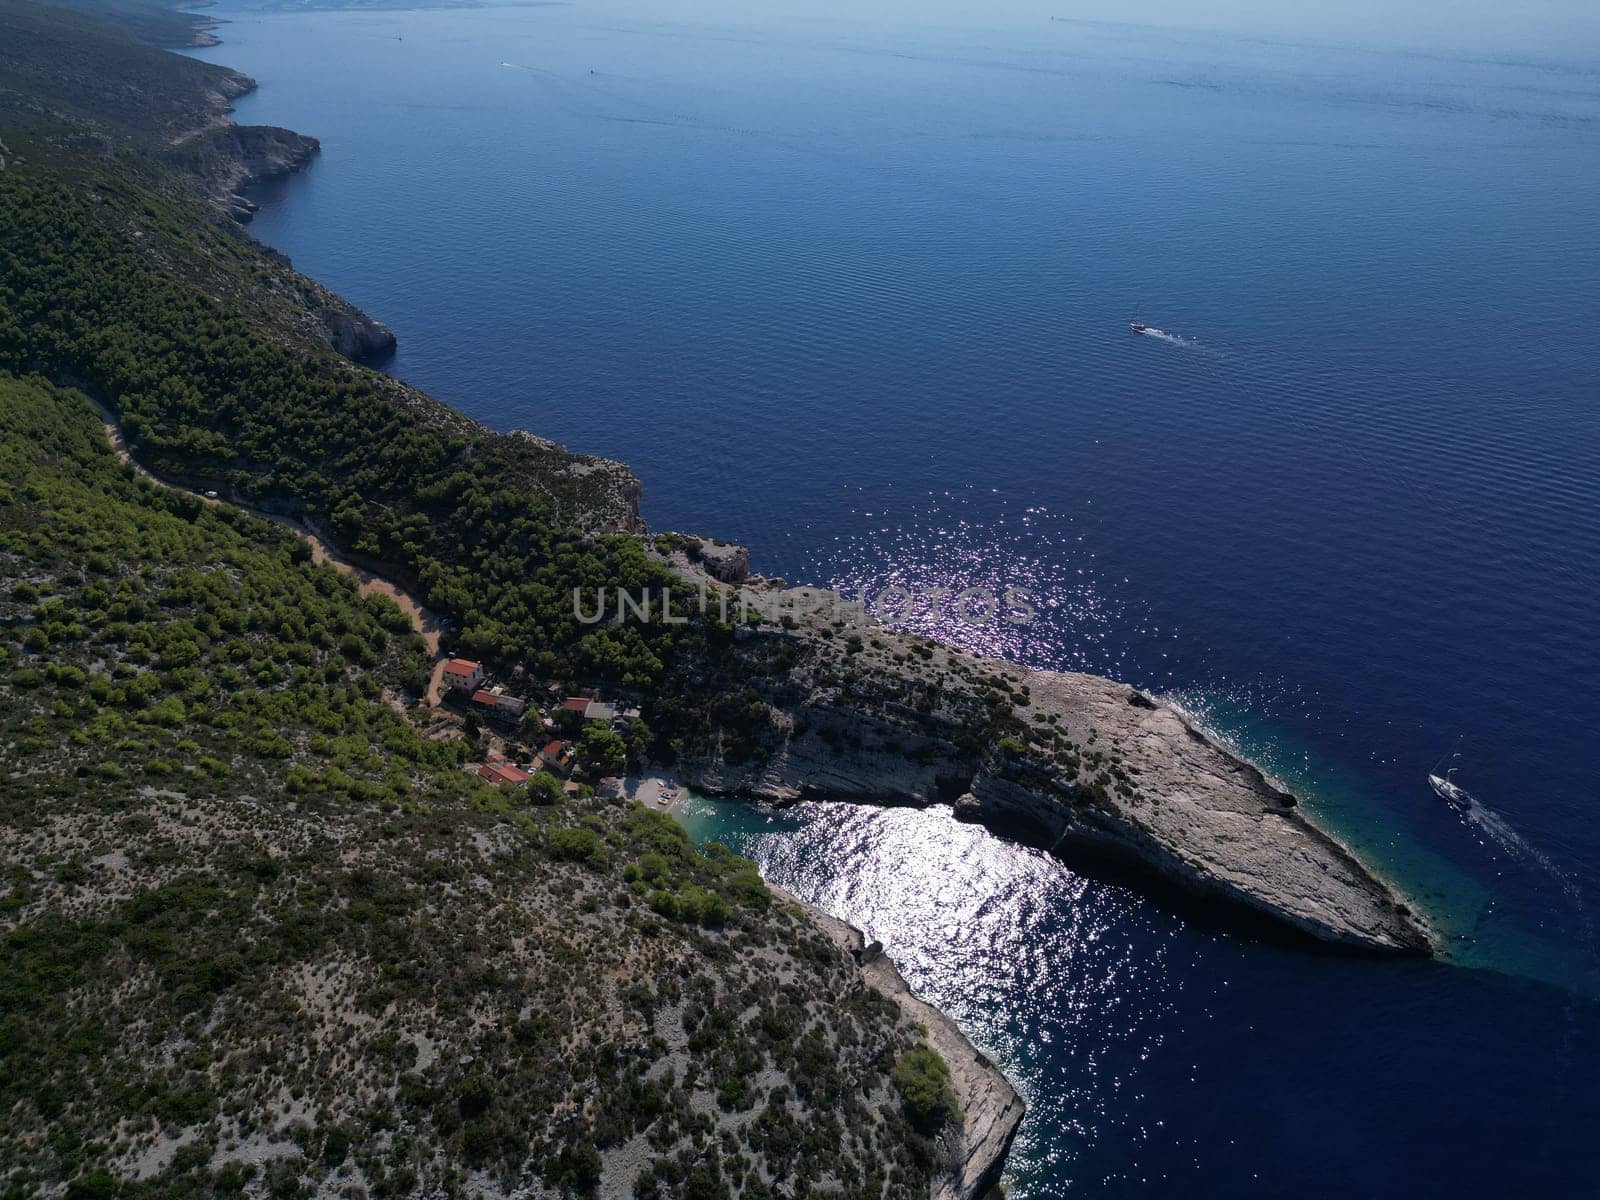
<point>224,160</point>
<point>227,158</point>
<point>1076,764</point>
<point>352,333</point>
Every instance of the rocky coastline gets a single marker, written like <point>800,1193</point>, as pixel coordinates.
<point>1087,768</point>
<point>913,722</point>
<point>227,158</point>
<point>1200,818</point>
<point>224,161</point>
<point>972,1151</point>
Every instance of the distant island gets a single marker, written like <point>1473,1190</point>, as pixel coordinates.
<point>306,890</point>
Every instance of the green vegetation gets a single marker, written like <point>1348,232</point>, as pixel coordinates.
<point>923,1080</point>
<point>157,22</point>
<point>73,66</point>
<point>601,749</point>
<point>685,885</point>
<point>201,389</point>
<point>257,933</point>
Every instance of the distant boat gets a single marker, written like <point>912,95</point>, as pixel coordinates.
<point>1138,328</point>
<point>1446,788</point>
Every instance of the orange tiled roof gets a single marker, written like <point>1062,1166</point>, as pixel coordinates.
<point>505,774</point>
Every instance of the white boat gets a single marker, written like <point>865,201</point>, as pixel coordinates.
<point>1448,791</point>
<point>1445,787</point>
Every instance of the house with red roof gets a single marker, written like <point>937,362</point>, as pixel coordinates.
<point>462,674</point>
<point>503,773</point>
<point>556,757</point>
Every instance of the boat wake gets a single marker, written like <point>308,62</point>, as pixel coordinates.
<point>1495,831</point>
<point>1500,832</point>
<point>1174,339</point>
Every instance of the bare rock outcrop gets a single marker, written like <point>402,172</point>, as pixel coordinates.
<point>353,333</point>
<point>724,560</point>
<point>227,158</point>
<point>1077,764</point>
<point>1193,812</point>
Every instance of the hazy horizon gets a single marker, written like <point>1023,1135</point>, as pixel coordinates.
<point>1563,28</point>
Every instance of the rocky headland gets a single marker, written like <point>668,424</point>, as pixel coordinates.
<point>1088,768</point>
<point>228,158</point>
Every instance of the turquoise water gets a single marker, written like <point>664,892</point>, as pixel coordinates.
<point>853,288</point>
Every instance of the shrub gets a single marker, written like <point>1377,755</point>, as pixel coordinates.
<point>543,788</point>
<point>96,1185</point>
<point>923,1081</point>
<point>577,1167</point>
<point>576,845</point>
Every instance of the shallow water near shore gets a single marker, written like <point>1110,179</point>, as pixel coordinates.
<point>855,291</point>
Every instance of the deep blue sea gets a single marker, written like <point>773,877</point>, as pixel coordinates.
<point>853,287</point>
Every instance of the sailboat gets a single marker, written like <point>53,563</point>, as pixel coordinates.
<point>1445,787</point>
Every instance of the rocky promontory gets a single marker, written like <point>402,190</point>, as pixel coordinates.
<point>227,158</point>
<point>1086,767</point>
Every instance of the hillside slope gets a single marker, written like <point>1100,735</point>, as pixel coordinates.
<point>257,932</point>
<point>64,66</point>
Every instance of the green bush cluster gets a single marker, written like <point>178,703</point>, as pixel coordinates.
<point>923,1079</point>
<point>488,527</point>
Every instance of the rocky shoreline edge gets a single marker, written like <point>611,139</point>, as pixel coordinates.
<point>973,1151</point>
<point>1094,771</point>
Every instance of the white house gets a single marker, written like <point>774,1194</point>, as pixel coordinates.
<point>463,674</point>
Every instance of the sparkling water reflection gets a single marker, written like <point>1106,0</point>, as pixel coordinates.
<point>1036,964</point>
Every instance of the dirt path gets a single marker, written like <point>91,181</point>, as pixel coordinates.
<point>426,622</point>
